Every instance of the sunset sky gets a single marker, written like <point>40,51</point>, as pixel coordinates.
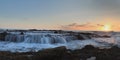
<point>60,14</point>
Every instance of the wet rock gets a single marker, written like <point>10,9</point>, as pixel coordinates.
<point>21,33</point>
<point>3,35</point>
<point>79,37</point>
<point>92,58</point>
<point>89,47</point>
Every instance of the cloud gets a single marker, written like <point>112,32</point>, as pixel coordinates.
<point>100,25</point>
<point>73,24</point>
<point>89,26</point>
<point>86,26</point>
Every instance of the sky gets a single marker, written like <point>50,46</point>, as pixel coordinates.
<point>60,14</point>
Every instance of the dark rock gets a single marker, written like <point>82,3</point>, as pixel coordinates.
<point>21,57</point>
<point>89,47</point>
<point>5,58</point>
<point>3,35</point>
<point>51,54</point>
<point>61,53</point>
<point>22,33</point>
<point>79,37</point>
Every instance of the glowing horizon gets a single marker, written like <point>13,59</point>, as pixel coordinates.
<point>97,15</point>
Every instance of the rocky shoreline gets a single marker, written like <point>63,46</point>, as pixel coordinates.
<point>61,53</point>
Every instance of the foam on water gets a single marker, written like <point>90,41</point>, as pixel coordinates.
<point>25,47</point>
<point>36,42</point>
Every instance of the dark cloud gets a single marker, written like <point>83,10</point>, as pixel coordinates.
<point>78,25</point>
<point>100,25</point>
<point>73,24</point>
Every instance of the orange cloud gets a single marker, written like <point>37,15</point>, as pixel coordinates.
<point>86,26</point>
<point>90,26</point>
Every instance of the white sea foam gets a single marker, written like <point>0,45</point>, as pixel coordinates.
<point>36,42</point>
<point>25,47</point>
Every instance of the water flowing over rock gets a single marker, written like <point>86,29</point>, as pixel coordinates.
<point>24,41</point>
<point>41,38</point>
<point>47,45</point>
